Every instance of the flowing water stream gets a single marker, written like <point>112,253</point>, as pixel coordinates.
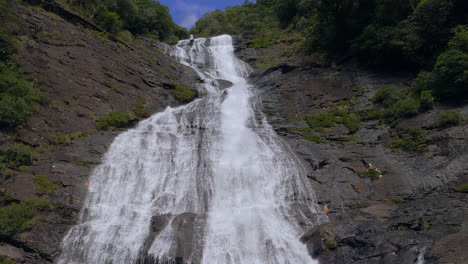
<point>208,182</point>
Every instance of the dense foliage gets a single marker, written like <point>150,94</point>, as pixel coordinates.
<point>18,97</point>
<point>139,17</point>
<point>391,34</point>
<point>18,217</point>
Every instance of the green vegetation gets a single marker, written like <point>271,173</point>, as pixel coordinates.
<point>411,139</point>
<point>359,206</point>
<point>393,103</point>
<point>314,138</point>
<point>183,93</point>
<point>449,118</point>
<point>131,17</point>
<point>414,35</point>
<point>463,188</point>
<point>18,97</point>
<point>140,110</point>
<point>449,79</point>
<point>7,261</point>
<point>17,155</point>
<point>423,224</point>
<point>114,120</point>
<point>372,174</point>
<point>322,121</point>
<point>83,163</point>
<point>331,245</point>
<point>18,217</point>
<point>398,200</point>
<point>44,184</point>
<point>65,139</point>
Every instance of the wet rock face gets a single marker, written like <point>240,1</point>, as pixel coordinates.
<point>411,210</point>
<point>83,75</point>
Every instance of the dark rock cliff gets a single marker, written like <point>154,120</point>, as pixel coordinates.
<point>411,210</point>
<point>83,74</point>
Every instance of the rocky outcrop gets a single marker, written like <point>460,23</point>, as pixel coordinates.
<point>83,74</point>
<point>412,210</point>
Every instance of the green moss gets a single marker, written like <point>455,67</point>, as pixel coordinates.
<point>370,114</point>
<point>347,140</point>
<point>44,184</point>
<point>321,121</point>
<point>314,138</point>
<point>398,200</point>
<point>18,217</point>
<point>65,139</point>
<point>449,118</point>
<point>359,206</point>
<point>331,245</point>
<point>114,120</point>
<point>411,139</point>
<point>183,93</point>
<point>7,261</point>
<point>372,174</point>
<point>83,163</point>
<point>423,224</point>
<point>463,188</point>
<point>140,110</point>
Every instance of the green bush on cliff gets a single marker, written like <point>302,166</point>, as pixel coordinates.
<point>411,139</point>
<point>322,121</point>
<point>372,174</point>
<point>183,93</point>
<point>18,217</point>
<point>7,261</point>
<point>44,185</point>
<point>65,139</point>
<point>18,97</point>
<point>16,156</point>
<point>449,118</point>
<point>463,188</point>
<point>114,120</point>
<point>449,78</point>
<point>140,110</point>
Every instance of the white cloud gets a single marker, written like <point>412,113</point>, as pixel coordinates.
<point>191,12</point>
<point>189,20</point>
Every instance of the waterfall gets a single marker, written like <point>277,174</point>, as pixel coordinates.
<point>208,182</point>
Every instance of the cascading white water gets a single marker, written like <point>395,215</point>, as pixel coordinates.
<point>208,182</point>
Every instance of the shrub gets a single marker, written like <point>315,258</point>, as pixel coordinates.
<point>7,261</point>
<point>387,95</point>
<point>426,101</point>
<point>18,97</point>
<point>321,121</point>
<point>140,110</point>
<point>18,217</point>
<point>109,21</point>
<point>449,118</point>
<point>18,155</point>
<point>112,121</point>
<point>372,174</point>
<point>463,188</point>
<point>405,108</point>
<point>65,139</point>
<point>6,46</point>
<point>369,114</point>
<point>331,245</point>
<point>183,93</point>
<point>411,139</point>
<point>449,78</point>
<point>44,184</point>
<point>423,224</point>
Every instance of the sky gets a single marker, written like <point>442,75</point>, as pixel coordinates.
<point>187,12</point>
